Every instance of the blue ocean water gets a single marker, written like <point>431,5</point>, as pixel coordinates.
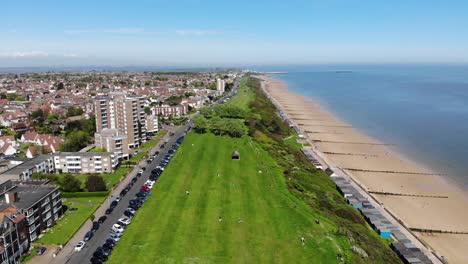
<point>422,109</point>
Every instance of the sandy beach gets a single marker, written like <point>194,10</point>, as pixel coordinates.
<point>420,198</point>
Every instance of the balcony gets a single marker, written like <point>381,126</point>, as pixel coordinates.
<point>55,195</point>
<point>55,202</point>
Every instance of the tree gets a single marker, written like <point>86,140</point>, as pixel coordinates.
<point>213,86</point>
<point>188,94</point>
<point>95,183</point>
<point>75,141</point>
<point>60,86</point>
<point>74,111</point>
<point>200,124</point>
<point>71,184</point>
<point>236,128</point>
<point>52,117</point>
<point>218,125</point>
<point>174,100</point>
<point>147,110</point>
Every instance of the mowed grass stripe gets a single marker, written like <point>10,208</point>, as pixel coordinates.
<point>186,173</point>
<point>174,228</point>
<point>192,231</point>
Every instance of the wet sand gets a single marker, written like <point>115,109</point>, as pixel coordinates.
<point>419,197</point>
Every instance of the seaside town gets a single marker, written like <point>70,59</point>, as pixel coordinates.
<point>67,138</point>
<point>76,142</point>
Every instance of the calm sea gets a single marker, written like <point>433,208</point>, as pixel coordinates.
<point>423,110</point>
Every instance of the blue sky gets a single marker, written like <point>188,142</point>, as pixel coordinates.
<point>225,33</point>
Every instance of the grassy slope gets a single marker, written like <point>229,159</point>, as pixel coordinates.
<point>72,221</point>
<point>174,227</point>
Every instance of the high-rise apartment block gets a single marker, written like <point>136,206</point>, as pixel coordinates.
<point>125,114</point>
<point>220,85</point>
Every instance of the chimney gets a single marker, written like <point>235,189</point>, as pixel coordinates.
<point>11,197</point>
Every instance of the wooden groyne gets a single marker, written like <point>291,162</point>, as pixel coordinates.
<point>349,154</point>
<point>396,172</point>
<point>407,194</point>
<point>345,142</point>
<point>423,230</point>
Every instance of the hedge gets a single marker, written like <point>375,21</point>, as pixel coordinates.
<point>83,194</point>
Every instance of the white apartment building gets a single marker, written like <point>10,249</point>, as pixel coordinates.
<point>85,162</point>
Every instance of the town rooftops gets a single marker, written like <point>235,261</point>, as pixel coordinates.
<point>27,195</point>
<point>28,164</point>
<point>83,154</point>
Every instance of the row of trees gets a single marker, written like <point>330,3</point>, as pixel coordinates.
<point>220,126</point>
<point>221,120</point>
<point>224,111</point>
<point>70,183</point>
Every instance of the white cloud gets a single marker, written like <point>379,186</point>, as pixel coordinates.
<point>70,55</point>
<point>20,54</point>
<point>194,32</point>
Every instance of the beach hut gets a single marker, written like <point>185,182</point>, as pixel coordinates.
<point>236,155</point>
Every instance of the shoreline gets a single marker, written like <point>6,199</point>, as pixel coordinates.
<point>415,196</point>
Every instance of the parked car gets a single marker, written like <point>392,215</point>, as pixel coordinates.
<point>95,226</point>
<point>41,251</point>
<point>140,171</point>
<point>114,235</point>
<point>150,183</point>
<point>110,241</point>
<point>88,235</point>
<point>128,214</point>
<point>100,255</point>
<point>95,260</point>
<point>113,204</point>
<point>117,228</point>
<point>143,168</point>
<point>80,246</point>
<point>102,219</point>
<point>109,210</point>
<point>145,188</point>
<point>125,220</point>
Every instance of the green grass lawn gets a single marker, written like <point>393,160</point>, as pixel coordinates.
<point>67,226</point>
<point>244,96</point>
<point>262,222</point>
